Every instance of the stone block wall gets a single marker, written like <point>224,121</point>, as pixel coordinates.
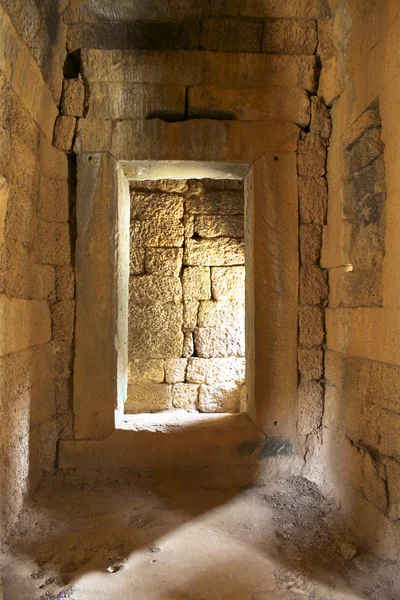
<point>36,277</point>
<point>186,296</point>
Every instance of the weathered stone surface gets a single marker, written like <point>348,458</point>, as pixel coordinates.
<point>310,363</point>
<point>160,232</point>
<point>231,35</point>
<point>289,36</point>
<point>368,120</point>
<point>96,35</point>
<point>188,344</point>
<point>164,261</point>
<point>4,195</point>
<point>214,252</point>
<point>313,285</point>
<point>352,288</point>
<point>64,133</point>
<point>55,247</point>
<point>144,290</point>
<point>154,206</point>
<point>393,483</point>
<point>210,226</point>
<point>134,101</point>
<point>365,150</point>
<point>136,260</point>
<point>303,9</point>
<point>251,104</point>
<point>190,310</point>
<point>73,98</point>
<point>214,371</point>
<point>311,398</point>
<point>211,342</point>
<point>221,313</point>
<point>185,396</point>
<point>320,118</point>
<point>24,323</point>
<point>178,186</point>
<point>199,68</point>
<point>148,397</point>
<point>53,200</point>
<point>167,35</point>
<point>223,398</point>
<point>62,318</point>
<point>311,326</point>
<point>228,282</point>
<point>216,203</point>
<point>311,159</point>
<point>145,368</point>
<point>310,243</point>
<point>155,331</point>
<point>313,197</point>
<point>175,370</point>
<point>64,282</point>
<point>196,283</point>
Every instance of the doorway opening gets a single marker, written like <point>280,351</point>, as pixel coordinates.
<point>186,310</point>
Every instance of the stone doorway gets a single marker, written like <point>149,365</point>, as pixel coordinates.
<point>186,324</point>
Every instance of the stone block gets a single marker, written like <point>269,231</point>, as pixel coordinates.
<point>63,320</point>
<point>213,342</point>
<point>310,363</point>
<point>196,283</point>
<point>310,243</point>
<point>53,200</point>
<point>352,288</point>
<point>54,247</point>
<point>190,311</point>
<point>329,88</point>
<point>213,371</point>
<point>311,158</point>
<point>164,261</point>
<point>148,397</point>
<point>311,404</point>
<point>313,198</point>
<point>134,101</point>
<point>231,34</point>
<point>217,202</point>
<point>289,36</point>
<point>311,326</point>
<point>93,135</point>
<point>227,283</point>
<point>97,35</point>
<point>73,98</point>
<point>4,194</point>
<point>24,323</point>
<point>250,104</point>
<point>168,35</point>
<point>64,133</point>
<point>189,68</point>
<point>185,396</point>
<point>223,398</point>
<point>374,481</point>
<point>155,331</point>
<point>210,226</point>
<point>65,282</point>
<point>154,206</point>
<point>367,250</point>
<point>170,186</point>
<point>145,290</point>
<point>367,120</point>
<point>320,118</point>
<point>157,232</point>
<point>389,429</point>
<point>145,368</point>
<point>136,260</point>
<point>188,344</point>
<point>223,313</point>
<point>384,385</point>
<point>313,285</point>
<point>175,370</point>
<point>214,252</point>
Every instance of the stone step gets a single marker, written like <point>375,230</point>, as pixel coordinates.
<point>188,68</point>
<point>168,440</point>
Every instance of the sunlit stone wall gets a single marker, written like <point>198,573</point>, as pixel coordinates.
<point>186,296</point>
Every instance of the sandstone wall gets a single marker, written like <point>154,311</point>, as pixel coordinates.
<point>186,302</point>
<point>357,457</point>
<point>36,279</point>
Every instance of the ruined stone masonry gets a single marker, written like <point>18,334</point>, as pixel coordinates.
<point>186,296</point>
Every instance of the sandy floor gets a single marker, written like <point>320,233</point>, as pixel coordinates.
<point>172,538</point>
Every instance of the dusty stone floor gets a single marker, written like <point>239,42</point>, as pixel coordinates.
<point>171,537</point>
